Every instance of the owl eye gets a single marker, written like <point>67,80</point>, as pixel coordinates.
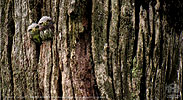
<point>37,27</point>
<point>29,30</point>
<point>40,23</point>
<point>48,20</point>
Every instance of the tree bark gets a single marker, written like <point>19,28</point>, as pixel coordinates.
<point>101,49</point>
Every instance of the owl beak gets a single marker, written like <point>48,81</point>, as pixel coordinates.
<point>34,29</point>
<point>45,23</point>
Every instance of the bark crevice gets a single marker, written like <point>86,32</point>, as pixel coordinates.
<point>10,25</point>
<point>108,32</point>
<point>137,19</point>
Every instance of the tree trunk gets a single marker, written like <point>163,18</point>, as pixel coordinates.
<point>101,49</point>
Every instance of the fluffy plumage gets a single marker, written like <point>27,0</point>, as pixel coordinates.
<point>46,28</point>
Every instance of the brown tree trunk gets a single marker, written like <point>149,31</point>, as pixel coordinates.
<point>101,49</point>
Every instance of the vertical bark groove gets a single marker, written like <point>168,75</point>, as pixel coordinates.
<point>137,11</point>
<point>11,31</point>
<point>109,55</point>
<point>108,23</point>
<point>143,78</point>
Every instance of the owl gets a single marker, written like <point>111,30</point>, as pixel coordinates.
<point>46,28</point>
<point>34,33</point>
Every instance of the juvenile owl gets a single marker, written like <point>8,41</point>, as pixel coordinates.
<point>34,32</point>
<point>46,28</point>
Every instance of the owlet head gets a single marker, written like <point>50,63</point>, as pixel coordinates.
<point>33,29</point>
<point>45,22</point>
<point>34,32</point>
